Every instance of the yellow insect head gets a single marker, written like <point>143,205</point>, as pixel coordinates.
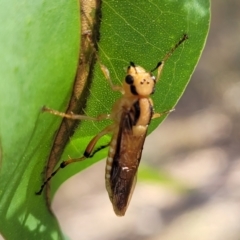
<point>138,82</point>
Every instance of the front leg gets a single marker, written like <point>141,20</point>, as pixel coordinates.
<point>107,76</point>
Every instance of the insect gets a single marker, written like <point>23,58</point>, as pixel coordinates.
<point>131,115</point>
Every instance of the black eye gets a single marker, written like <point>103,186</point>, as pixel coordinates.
<point>129,79</point>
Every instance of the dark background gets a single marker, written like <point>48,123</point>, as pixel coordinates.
<point>198,146</point>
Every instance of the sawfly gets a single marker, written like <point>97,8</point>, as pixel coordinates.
<point>131,115</point>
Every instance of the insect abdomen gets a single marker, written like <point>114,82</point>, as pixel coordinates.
<point>125,154</point>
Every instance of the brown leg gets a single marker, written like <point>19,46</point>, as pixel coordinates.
<point>86,154</point>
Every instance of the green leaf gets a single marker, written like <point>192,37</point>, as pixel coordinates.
<point>143,32</point>
<point>39,52</point>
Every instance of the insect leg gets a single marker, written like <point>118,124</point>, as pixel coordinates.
<point>98,150</point>
<point>157,115</point>
<point>87,154</point>
<point>107,76</point>
<point>76,116</point>
<point>103,67</point>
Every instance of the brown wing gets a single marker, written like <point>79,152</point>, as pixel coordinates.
<point>126,160</point>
